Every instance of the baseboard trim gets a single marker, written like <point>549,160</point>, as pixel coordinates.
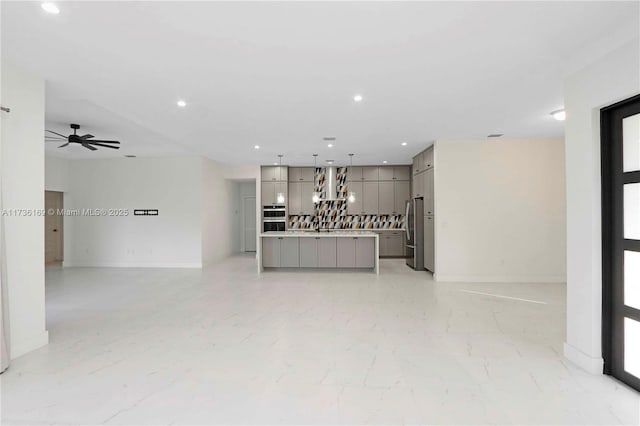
<point>500,279</point>
<point>97,264</point>
<point>32,343</point>
<point>582,360</point>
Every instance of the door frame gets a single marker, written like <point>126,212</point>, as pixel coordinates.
<point>60,227</point>
<point>243,247</point>
<point>613,243</point>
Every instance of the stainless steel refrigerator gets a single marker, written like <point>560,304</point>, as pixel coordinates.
<point>414,226</point>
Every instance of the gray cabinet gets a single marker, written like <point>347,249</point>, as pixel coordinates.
<point>327,252</point>
<point>289,253</point>
<point>418,185</point>
<point>401,194</point>
<point>354,173</point>
<point>280,252</point>
<point>391,243</point>
<point>429,243</point>
<point>428,193</point>
<point>365,252</point>
<point>370,174</point>
<point>309,252</point>
<point>355,207</point>
<point>274,173</point>
<point>270,191</point>
<point>386,197</point>
<point>301,198</point>
<point>385,173</point>
<point>401,173</point>
<point>427,159</point>
<point>346,252</point>
<point>370,197</point>
<point>301,174</point>
<point>418,164</point>
<point>271,252</point>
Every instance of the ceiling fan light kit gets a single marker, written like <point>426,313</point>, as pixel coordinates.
<point>86,141</point>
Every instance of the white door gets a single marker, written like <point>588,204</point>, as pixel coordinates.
<point>249,214</point>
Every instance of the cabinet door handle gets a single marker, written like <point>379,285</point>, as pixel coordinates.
<point>279,238</point>
<point>355,238</point>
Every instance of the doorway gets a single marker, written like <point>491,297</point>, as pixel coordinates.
<point>53,227</point>
<point>620,136</point>
<point>249,223</point>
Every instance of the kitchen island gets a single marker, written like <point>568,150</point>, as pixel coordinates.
<point>357,250</point>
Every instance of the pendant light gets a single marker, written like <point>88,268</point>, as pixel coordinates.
<point>280,197</point>
<point>352,195</point>
<point>316,195</point>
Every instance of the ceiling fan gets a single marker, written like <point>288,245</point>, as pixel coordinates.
<point>85,140</point>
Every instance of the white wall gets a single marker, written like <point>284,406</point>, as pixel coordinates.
<point>612,78</point>
<point>56,174</point>
<point>23,188</point>
<point>171,185</point>
<point>500,210</point>
<point>217,206</point>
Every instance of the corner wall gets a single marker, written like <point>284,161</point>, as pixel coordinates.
<point>500,210</point>
<point>22,171</point>
<point>613,78</point>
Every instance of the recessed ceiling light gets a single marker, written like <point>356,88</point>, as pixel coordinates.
<point>50,8</point>
<point>256,147</point>
<point>329,161</point>
<point>275,164</point>
<point>358,98</point>
<point>559,115</point>
<point>384,162</point>
<point>403,144</point>
<point>330,145</point>
<point>181,103</point>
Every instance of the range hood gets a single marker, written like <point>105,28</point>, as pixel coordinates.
<point>331,182</point>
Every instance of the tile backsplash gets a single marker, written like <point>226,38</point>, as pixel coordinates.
<point>332,214</point>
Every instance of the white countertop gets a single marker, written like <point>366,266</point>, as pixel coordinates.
<point>325,234</point>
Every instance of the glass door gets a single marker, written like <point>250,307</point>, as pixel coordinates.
<point>621,240</point>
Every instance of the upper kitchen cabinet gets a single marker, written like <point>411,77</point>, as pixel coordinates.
<point>301,198</point>
<point>354,174</point>
<point>428,193</point>
<point>393,173</point>
<point>270,191</point>
<point>301,174</point>
<point>401,194</point>
<point>418,164</point>
<point>418,185</point>
<point>370,174</point>
<point>401,173</point>
<point>355,207</point>
<point>385,173</point>
<point>386,198</point>
<point>370,197</point>
<point>274,173</point>
<point>427,159</point>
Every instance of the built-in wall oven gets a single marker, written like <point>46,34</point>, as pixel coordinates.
<point>274,218</point>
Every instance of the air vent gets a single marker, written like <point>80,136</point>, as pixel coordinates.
<point>329,138</point>
<point>130,156</point>
<point>495,135</point>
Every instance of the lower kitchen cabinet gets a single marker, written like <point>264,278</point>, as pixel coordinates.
<point>365,252</point>
<point>271,252</point>
<point>279,252</point>
<point>346,252</point>
<point>429,243</point>
<point>327,252</point>
<point>391,244</point>
<point>309,252</point>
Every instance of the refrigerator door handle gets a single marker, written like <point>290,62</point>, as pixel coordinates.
<point>406,221</point>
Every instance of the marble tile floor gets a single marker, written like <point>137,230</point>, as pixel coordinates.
<point>225,345</point>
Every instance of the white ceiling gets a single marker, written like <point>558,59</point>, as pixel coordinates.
<point>282,75</point>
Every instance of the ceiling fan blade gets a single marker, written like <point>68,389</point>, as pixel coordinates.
<point>101,141</point>
<point>55,133</point>
<point>106,146</point>
<point>54,139</point>
<point>89,147</point>
<point>63,145</point>
<point>87,136</point>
